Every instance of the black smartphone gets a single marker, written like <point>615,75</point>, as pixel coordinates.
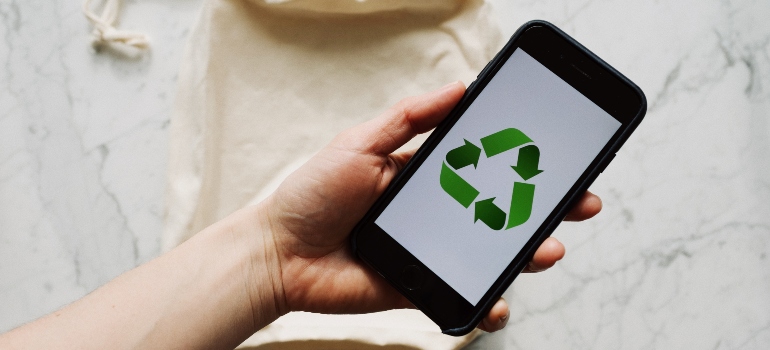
<point>466,214</point>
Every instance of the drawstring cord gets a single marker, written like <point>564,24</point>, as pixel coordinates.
<point>105,33</point>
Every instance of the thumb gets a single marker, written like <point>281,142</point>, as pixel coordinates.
<point>408,118</point>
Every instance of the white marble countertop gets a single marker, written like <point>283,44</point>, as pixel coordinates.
<point>677,259</point>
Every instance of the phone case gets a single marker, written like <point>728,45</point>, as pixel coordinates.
<point>471,93</point>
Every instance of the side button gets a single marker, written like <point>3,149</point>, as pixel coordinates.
<point>471,86</point>
<point>485,68</point>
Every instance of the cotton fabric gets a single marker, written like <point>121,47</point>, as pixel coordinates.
<point>265,84</point>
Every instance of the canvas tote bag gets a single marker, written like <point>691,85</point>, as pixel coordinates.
<point>264,84</point>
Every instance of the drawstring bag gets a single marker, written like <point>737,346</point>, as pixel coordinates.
<point>264,84</point>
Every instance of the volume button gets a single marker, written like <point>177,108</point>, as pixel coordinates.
<point>471,86</point>
<point>485,68</point>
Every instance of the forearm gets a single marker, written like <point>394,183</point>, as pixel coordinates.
<point>211,292</point>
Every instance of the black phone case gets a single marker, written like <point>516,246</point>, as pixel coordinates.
<point>473,90</point>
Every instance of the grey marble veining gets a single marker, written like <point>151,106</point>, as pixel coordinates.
<point>83,150</point>
<point>677,259</point>
<point>679,256</point>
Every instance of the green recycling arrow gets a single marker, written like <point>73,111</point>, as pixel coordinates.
<point>526,167</point>
<point>463,156</point>
<point>457,187</point>
<point>502,141</point>
<point>521,204</point>
<point>523,193</point>
<point>489,214</point>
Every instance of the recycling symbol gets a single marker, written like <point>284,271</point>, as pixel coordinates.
<point>523,193</point>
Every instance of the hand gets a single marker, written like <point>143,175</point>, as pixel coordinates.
<point>314,210</point>
<point>290,252</point>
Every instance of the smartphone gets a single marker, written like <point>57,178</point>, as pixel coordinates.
<point>498,175</point>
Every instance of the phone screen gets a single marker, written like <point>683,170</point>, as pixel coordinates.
<point>497,175</point>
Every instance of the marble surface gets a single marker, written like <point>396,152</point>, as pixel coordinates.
<point>677,259</point>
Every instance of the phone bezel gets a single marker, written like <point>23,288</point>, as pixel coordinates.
<point>581,69</point>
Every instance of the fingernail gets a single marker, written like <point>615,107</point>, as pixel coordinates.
<point>503,318</point>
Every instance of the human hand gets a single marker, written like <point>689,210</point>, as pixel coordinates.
<point>314,210</point>
<point>289,252</point>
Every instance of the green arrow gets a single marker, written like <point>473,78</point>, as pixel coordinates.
<point>463,156</point>
<point>457,187</point>
<point>503,140</point>
<point>521,204</point>
<point>526,167</point>
<point>489,214</point>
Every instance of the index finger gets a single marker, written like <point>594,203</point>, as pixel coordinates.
<point>408,118</point>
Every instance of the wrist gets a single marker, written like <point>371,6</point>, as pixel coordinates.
<point>261,264</point>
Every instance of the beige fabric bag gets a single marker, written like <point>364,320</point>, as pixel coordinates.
<point>264,84</point>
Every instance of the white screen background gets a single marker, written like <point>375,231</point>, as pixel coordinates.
<point>569,130</point>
